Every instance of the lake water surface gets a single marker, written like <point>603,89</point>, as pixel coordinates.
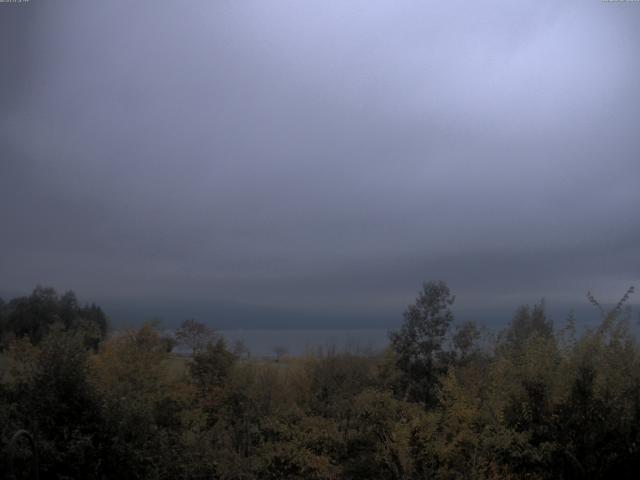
<point>261,343</point>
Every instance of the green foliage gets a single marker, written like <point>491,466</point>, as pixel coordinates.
<point>210,367</point>
<point>527,322</point>
<point>50,395</point>
<point>535,405</point>
<point>424,347</point>
<point>335,379</point>
<point>141,411</point>
<point>378,445</point>
<point>33,316</point>
<point>194,335</point>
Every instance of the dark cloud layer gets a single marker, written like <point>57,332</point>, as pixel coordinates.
<point>321,158</point>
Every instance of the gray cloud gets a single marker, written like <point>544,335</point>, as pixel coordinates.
<point>323,157</point>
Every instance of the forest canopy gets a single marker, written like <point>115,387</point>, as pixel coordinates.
<point>445,400</point>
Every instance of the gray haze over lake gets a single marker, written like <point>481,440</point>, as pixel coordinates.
<point>309,164</point>
<point>262,343</point>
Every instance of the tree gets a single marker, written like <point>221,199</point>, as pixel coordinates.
<point>195,335</point>
<point>621,310</point>
<point>142,425</point>
<point>211,366</point>
<point>526,322</point>
<point>465,341</point>
<point>418,344</point>
<point>33,316</point>
<point>53,398</point>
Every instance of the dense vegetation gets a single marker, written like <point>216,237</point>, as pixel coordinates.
<point>443,401</point>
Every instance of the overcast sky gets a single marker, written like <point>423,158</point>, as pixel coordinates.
<point>320,157</point>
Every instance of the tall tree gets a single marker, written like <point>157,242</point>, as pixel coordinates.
<point>33,316</point>
<point>526,322</point>
<point>418,344</point>
<point>195,335</point>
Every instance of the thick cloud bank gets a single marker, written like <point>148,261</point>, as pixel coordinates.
<point>320,157</point>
